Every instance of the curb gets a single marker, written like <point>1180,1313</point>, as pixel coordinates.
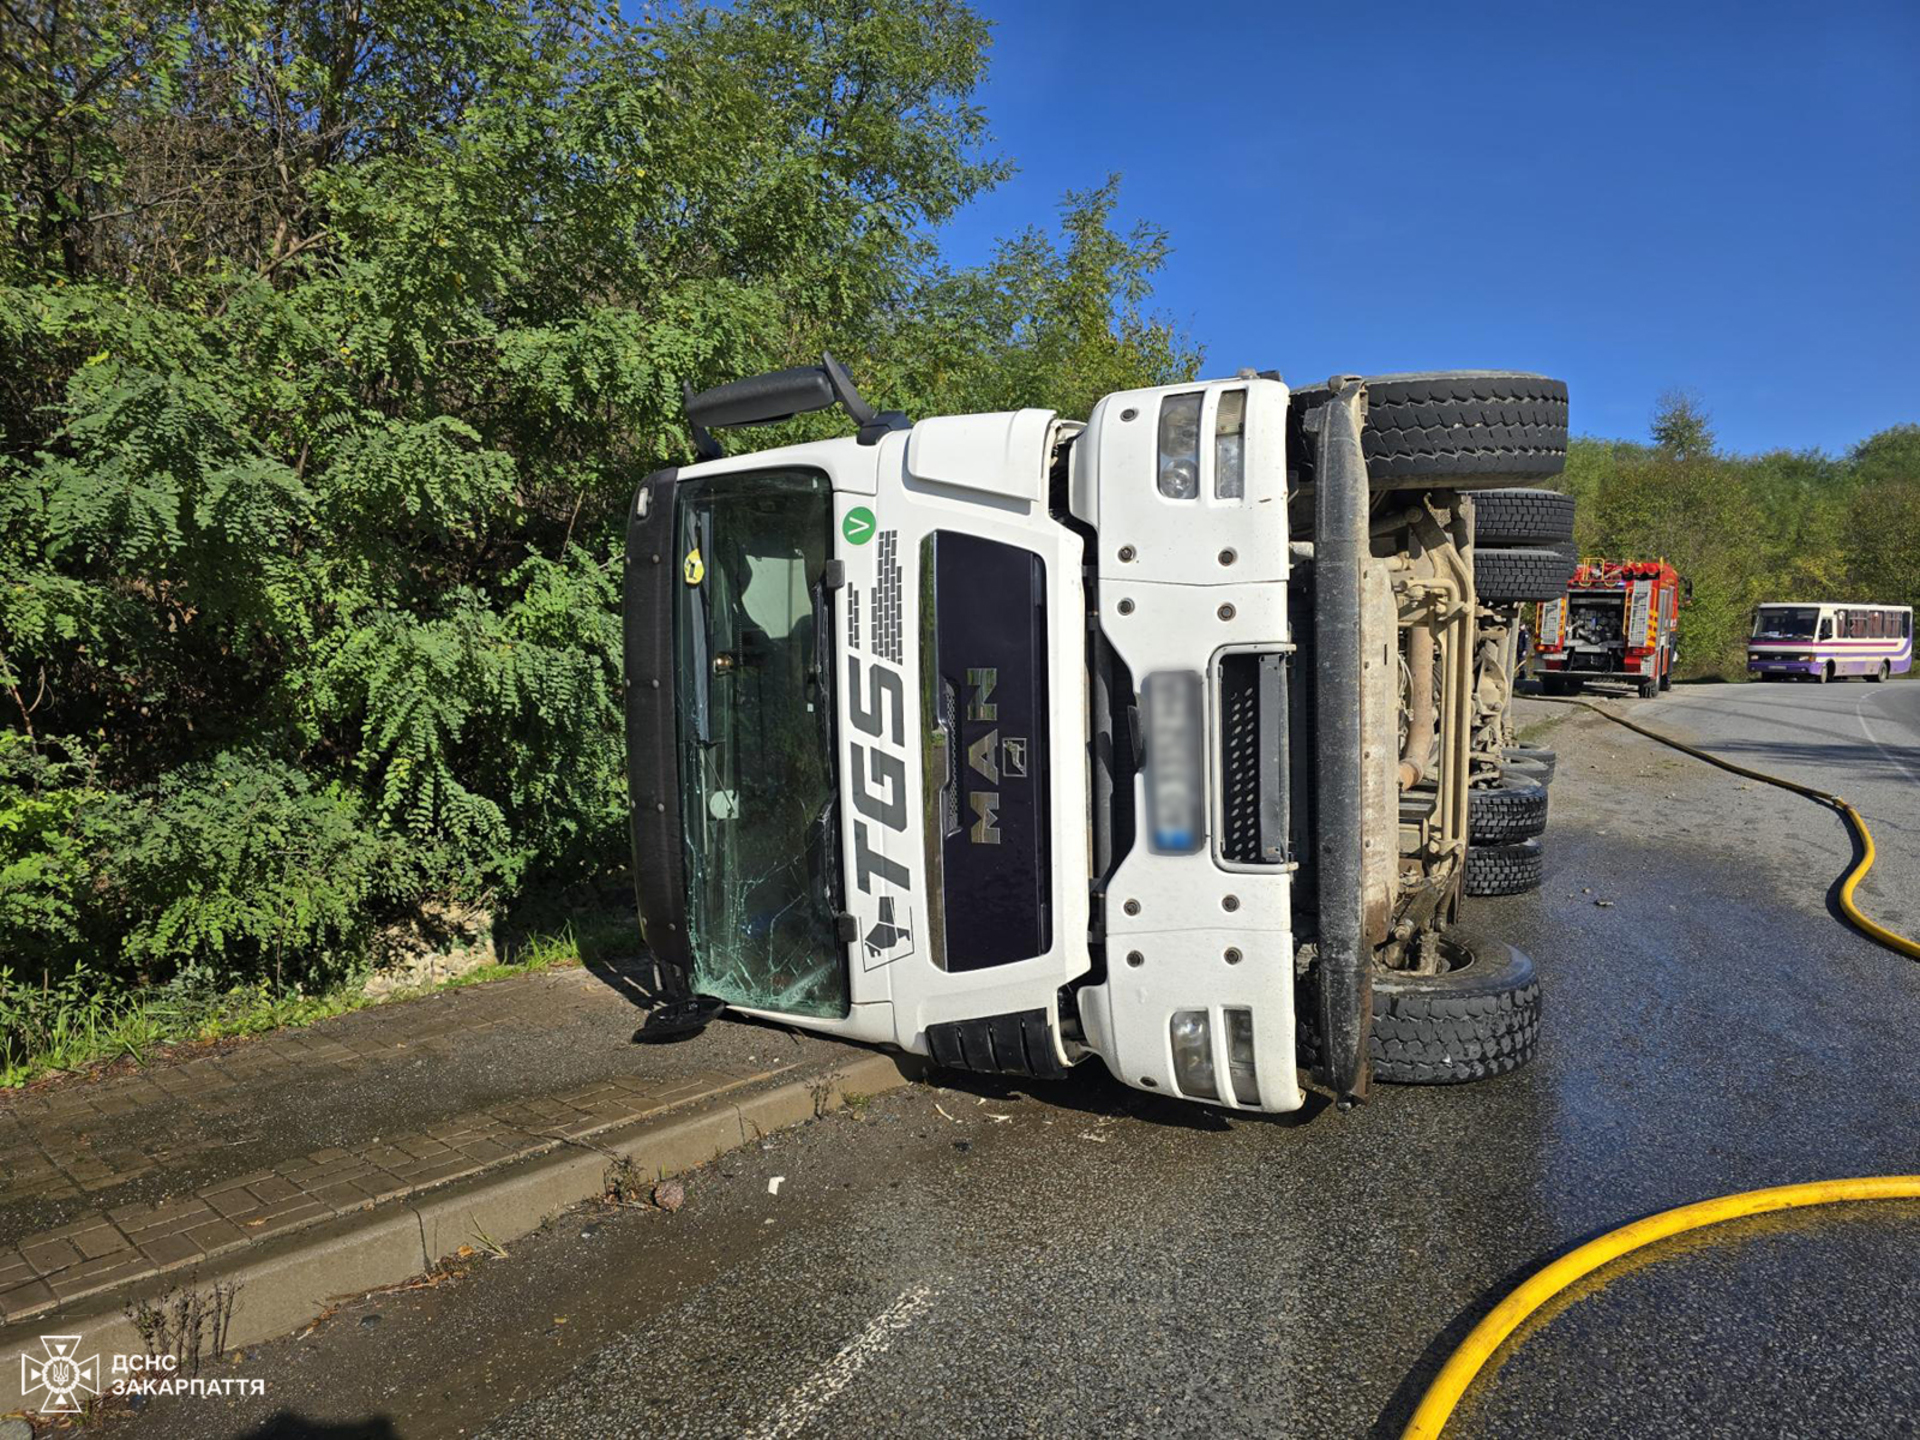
<point>286,1281</point>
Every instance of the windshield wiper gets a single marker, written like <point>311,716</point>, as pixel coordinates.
<point>826,826</point>
<point>700,644</point>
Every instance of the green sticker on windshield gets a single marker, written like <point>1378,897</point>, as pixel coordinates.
<point>858,526</point>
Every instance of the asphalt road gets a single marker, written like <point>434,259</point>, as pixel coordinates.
<point>1857,739</point>
<point>1078,1258</point>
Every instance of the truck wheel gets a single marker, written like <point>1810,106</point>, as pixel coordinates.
<point>1523,517</point>
<point>1452,429</point>
<point>1511,869</point>
<point>1515,809</point>
<point>1532,574</point>
<point>1535,758</point>
<point>1479,1019</point>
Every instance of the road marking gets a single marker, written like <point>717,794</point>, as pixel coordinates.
<point>806,1402</point>
<point>1867,730</point>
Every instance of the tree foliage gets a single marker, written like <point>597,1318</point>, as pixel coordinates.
<point>333,338</point>
<point>1746,529</point>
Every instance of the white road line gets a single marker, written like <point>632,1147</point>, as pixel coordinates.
<point>1867,730</point>
<point>806,1402</point>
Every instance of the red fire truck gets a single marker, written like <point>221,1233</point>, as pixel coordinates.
<point>1620,619</point>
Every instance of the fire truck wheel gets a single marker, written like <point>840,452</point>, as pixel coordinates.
<point>1536,573</point>
<point>1515,809</point>
<point>1523,517</point>
<point>1461,429</point>
<point>1511,869</point>
<point>1537,759</point>
<point>1479,1019</point>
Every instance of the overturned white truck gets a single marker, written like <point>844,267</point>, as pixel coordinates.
<point>1012,740</point>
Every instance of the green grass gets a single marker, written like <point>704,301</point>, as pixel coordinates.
<point>80,1023</point>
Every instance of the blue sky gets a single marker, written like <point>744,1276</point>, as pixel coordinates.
<point>1630,197</point>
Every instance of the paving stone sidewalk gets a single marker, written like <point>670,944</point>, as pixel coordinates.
<point>107,1179</point>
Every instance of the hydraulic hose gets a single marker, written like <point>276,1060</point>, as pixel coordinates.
<point>1857,918</point>
<point>1431,1415</point>
<point>1437,1405</point>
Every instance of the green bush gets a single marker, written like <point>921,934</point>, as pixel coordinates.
<point>53,819</point>
<point>230,869</point>
<point>332,353</point>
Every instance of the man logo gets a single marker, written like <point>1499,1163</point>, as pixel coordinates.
<point>1013,757</point>
<point>60,1373</point>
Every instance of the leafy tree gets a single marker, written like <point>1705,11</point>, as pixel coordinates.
<point>1681,426</point>
<point>332,342</point>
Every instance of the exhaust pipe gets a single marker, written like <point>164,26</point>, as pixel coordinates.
<point>1340,548</point>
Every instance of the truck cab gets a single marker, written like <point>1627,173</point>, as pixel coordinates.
<point>1013,740</point>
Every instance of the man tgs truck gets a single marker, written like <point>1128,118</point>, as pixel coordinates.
<point>1011,739</point>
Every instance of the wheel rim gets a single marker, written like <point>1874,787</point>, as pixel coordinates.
<point>1457,958</point>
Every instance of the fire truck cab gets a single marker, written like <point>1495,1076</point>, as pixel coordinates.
<point>1620,619</point>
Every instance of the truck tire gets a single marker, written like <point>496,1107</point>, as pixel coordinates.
<point>1515,809</point>
<point>1479,1019</point>
<point>1507,869</point>
<point>1535,573</point>
<point>1536,760</point>
<point>1523,517</point>
<point>1450,429</point>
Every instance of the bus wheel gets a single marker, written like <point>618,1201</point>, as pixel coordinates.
<point>1882,673</point>
<point>1826,673</point>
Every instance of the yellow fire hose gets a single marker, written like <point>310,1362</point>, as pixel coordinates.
<point>1454,1377</point>
<point>1437,1405</point>
<point>1855,917</point>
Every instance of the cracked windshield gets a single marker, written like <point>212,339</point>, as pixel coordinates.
<point>756,740</point>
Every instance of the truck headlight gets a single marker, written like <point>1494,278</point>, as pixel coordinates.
<point>1240,1067</point>
<point>1192,1034</point>
<point>1179,462</point>
<point>1230,446</point>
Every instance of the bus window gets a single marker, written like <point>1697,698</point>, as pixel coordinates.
<point>1826,627</point>
<point>1906,624</point>
<point>1873,624</point>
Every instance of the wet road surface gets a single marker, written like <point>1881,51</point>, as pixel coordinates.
<point>977,1260</point>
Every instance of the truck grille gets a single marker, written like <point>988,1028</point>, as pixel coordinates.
<point>1253,759</point>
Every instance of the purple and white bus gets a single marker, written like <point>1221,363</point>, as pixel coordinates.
<point>1829,642</point>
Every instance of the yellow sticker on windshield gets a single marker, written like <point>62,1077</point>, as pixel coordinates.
<point>693,567</point>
